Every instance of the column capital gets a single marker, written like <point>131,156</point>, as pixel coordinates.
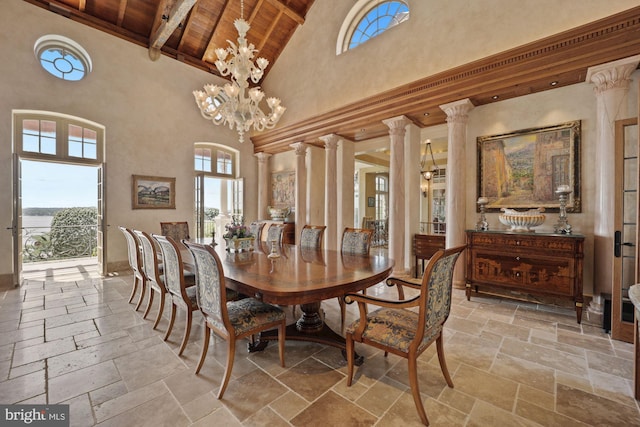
<point>262,156</point>
<point>397,125</point>
<point>457,111</point>
<point>299,147</point>
<point>330,141</point>
<point>614,74</point>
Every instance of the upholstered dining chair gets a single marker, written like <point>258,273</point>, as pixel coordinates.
<point>311,236</point>
<point>396,328</point>
<point>275,233</point>
<point>256,228</point>
<point>355,241</point>
<point>176,230</point>
<point>180,286</point>
<point>230,320</point>
<point>151,267</point>
<point>135,262</point>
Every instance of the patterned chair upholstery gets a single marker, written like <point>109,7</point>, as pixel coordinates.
<point>397,329</point>
<point>180,286</point>
<point>275,233</point>
<point>230,320</point>
<point>176,230</point>
<point>151,266</point>
<point>135,262</point>
<point>311,236</point>
<point>256,228</point>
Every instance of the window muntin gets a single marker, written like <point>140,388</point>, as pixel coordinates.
<point>368,19</point>
<point>224,164</point>
<point>39,136</point>
<point>62,57</point>
<point>203,159</point>
<point>82,142</point>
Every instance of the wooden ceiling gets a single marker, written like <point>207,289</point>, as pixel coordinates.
<point>189,30</point>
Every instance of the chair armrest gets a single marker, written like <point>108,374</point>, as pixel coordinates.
<point>366,299</point>
<point>395,281</point>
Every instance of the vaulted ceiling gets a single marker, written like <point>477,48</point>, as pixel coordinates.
<point>190,30</point>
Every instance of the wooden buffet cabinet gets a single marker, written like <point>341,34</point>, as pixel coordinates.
<point>533,263</point>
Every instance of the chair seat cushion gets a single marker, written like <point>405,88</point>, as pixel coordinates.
<point>249,313</point>
<point>395,328</point>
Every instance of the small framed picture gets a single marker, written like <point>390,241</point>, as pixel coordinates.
<point>153,192</point>
<point>371,202</point>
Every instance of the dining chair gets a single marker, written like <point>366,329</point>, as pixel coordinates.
<point>151,266</point>
<point>135,262</point>
<point>396,328</point>
<point>311,236</point>
<point>275,233</point>
<point>176,230</point>
<point>180,286</point>
<point>355,241</point>
<point>256,228</point>
<point>230,320</point>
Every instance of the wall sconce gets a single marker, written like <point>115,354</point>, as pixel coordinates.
<point>425,189</point>
<point>428,173</point>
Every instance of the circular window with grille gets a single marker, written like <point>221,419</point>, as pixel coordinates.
<point>62,57</point>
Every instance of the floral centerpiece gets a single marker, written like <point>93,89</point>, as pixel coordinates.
<point>238,236</point>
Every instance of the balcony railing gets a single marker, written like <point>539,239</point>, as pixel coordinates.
<point>58,242</point>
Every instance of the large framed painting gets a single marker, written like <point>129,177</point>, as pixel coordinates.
<point>153,192</point>
<point>523,169</point>
<point>283,189</point>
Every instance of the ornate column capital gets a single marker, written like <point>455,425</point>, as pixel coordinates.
<point>612,75</point>
<point>300,148</point>
<point>458,111</point>
<point>262,157</point>
<point>330,141</point>
<point>397,125</point>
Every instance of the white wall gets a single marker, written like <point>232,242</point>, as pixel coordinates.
<point>147,107</point>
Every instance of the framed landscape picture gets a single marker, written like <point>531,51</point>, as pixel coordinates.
<point>153,192</point>
<point>523,169</point>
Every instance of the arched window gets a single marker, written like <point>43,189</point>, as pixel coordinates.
<point>214,160</point>
<point>369,18</point>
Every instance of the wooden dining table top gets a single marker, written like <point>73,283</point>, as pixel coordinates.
<point>298,275</point>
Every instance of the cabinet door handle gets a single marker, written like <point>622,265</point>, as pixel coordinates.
<point>517,258</point>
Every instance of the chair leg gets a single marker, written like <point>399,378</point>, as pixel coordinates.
<point>205,347</point>
<point>146,311</point>
<point>443,362</point>
<point>187,331</point>
<point>350,356</point>
<point>134,288</point>
<point>231,352</point>
<point>143,291</point>
<point>343,312</point>
<point>281,337</point>
<point>171,320</point>
<point>160,310</point>
<point>415,389</point>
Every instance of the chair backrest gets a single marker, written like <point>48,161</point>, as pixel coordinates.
<point>437,284</point>
<point>176,230</point>
<point>356,241</point>
<point>275,232</point>
<point>133,247</point>
<point>149,257</point>
<point>256,228</point>
<point>172,265</point>
<point>311,236</point>
<point>210,285</point>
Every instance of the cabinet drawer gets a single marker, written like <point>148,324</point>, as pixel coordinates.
<point>550,275</point>
<point>528,243</point>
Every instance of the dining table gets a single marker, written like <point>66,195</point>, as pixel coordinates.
<point>293,275</point>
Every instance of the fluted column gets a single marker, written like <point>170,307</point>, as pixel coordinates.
<point>397,130</point>
<point>300,186</point>
<point>456,188</point>
<point>263,184</point>
<point>611,83</point>
<point>346,166</point>
<point>330,191</point>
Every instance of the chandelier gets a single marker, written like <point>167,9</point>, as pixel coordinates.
<point>427,174</point>
<point>235,104</point>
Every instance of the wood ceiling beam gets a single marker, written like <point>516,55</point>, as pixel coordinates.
<point>273,25</point>
<point>178,12</point>
<point>122,8</point>
<point>287,11</point>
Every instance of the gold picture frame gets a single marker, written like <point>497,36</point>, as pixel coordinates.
<point>523,169</point>
<point>153,192</point>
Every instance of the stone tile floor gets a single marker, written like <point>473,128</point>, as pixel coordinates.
<point>80,342</point>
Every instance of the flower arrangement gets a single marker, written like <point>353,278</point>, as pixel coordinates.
<point>236,229</point>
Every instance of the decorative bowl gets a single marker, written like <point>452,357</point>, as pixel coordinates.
<point>522,221</point>
<point>279,214</point>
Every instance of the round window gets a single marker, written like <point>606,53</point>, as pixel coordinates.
<point>62,57</point>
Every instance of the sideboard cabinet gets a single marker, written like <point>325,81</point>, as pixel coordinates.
<point>533,263</point>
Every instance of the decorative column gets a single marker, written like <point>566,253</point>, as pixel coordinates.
<point>263,184</point>
<point>456,188</point>
<point>330,191</point>
<point>397,132</point>
<point>611,82</point>
<point>346,165</point>
<point>300,186</point>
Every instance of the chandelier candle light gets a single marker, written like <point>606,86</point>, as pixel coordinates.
<point>235,104</point>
